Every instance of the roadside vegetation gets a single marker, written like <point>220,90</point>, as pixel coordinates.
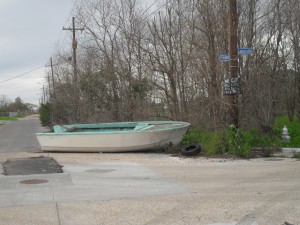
<point>245,143</point>
<point>6,118</point>
<point>293,129</point>
<point>136,63</point>
<point>45,113</point>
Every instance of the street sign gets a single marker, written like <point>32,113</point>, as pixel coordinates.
<point>232,86</point>
<point>224,58</point>
<point>245,51</point>
<point>241,51</point>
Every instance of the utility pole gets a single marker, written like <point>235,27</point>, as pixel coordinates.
<point>52,76</point>
<point>233,63</point>
<point>49,88</point>
<point>75,78</point>
<point>44,94</point>
<point>74,47</point>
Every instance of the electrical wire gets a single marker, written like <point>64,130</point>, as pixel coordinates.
<point>23,74</point>
<point>149,7</point>
<point>156,10</point>
<point>71,12</point>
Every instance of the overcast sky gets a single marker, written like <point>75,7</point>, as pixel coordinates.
<point>29,32</point>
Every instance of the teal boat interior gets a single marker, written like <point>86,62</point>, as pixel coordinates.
<point>101,127</point>
<point>118,127</point>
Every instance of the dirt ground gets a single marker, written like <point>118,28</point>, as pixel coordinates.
<point>260,191</point>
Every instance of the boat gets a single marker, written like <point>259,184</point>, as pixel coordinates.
<point>113,137</point>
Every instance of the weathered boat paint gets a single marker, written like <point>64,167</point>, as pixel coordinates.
<point>113,137</point>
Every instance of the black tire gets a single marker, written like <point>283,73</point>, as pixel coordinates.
<point>191,150</point>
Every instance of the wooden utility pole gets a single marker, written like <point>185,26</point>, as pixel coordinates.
<point>52,78</point>
<point>75,77</point>
<point>52,74</point>
<point>233,63</point>
<point>49,86</point>
<point>74,47</point>
<point>44,94</point>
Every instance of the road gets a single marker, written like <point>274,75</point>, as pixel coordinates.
<point>19,135</point>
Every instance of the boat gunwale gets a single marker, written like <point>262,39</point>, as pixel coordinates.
<point>180,125</point>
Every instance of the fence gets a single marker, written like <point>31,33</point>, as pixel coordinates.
<point>11,114</point>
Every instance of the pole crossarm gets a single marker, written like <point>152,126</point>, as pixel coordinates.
<point>71,29</point>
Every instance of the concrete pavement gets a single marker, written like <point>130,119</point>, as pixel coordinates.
<point>154,189</point>
<point>87,182</point>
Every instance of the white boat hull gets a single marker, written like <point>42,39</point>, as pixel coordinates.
<point>111,142</point>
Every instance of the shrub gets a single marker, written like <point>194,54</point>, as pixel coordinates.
<point>239,142</point>
<point>45,112</point>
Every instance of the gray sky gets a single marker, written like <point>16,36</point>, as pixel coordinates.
<point>30,31</point>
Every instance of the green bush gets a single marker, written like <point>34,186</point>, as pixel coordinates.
<point>45,113</point>
<point>238,142</point>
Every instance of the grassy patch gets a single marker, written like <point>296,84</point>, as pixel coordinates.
<point>211,142</point>
<point>293,130</point>
<point>243,143</point>
<point>6,118</point>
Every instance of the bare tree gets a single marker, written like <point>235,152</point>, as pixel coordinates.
<point>292,11</point>
<point>134,64</point>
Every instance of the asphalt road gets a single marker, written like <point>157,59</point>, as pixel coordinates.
<point>19,135</point>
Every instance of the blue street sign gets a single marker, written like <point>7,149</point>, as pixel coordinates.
<point>245,51</point>
<point>224,58</point>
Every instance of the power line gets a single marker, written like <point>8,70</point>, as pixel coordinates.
<point>71,12</point>
<point>23,74</point>
<point>15,88</point>
<point>156,10</point>
<point>149,7</point>
<point>64,25</point>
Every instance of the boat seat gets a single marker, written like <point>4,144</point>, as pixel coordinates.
<point>141,126</point>
<point>58,129</point>
<point>147,127</point>
<point>70,128</point>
